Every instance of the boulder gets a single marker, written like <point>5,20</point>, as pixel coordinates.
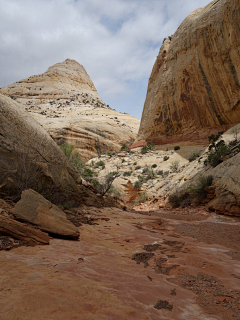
<point>194,87</point>
<point>28,153</point>
<point>22,232</point>
<point>34,208</point>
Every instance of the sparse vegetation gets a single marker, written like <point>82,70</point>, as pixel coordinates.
<point>217,149</point>
<point>100,164</point>
<point>127,173</point>
<point>165,158</point>
<point>135,163</point>
<point>154,165</point>
<point>137,185</point>
<point>137,167</point>
<point>194,156</point>
<point>147,147</point>
<point>198,191</point>
<point>160,173</point>
<point>176,148</point>
<point>174,166</point>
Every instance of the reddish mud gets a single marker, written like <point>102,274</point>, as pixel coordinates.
<point>167,265</point>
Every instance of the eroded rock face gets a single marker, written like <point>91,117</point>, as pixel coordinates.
<point>65,102</point>
<point>27,152</point>
<point>35,209</point>
<point>194,88</point>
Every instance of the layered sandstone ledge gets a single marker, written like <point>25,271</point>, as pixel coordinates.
<point>195,81</point>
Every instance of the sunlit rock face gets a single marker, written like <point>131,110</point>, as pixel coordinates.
<point>66,103</point>
<point>194,88</point>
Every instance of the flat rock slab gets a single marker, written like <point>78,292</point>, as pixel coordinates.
<point>35,209</point>
<point>20,231</point>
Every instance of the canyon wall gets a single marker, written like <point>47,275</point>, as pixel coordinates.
<point>194,87</point>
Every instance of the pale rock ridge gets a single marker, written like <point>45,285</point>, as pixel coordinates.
<point>65,102</point>
<point>195,81</point>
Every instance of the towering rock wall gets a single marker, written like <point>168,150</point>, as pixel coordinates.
<point>65,102</point>
<point>194,88</point>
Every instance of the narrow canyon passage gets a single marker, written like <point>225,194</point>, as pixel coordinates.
<point>182,264</point>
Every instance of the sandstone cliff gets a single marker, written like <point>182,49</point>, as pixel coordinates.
<point>194,88</point>
<point>65,102</point>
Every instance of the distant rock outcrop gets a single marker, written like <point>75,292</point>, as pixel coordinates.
<point>194,88</point>
<point>65,102</point>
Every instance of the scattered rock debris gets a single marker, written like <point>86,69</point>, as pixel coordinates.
<point>8,243</point>
<point>161,304</point>
<point>143,257</point>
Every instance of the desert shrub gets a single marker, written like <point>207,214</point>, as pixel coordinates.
<point>123,160</point>
<point>149,146</point>
<point>146,170</point>
<point>150,175</point>
<point>142,179</point>
<point>135,163</point>
<point>194,156</point>
<point>110,154</point>
<point>137,167</point>
<point>100,164</point>
<point>116,193</point>
<point>165,174</point>
<point>217,149</point>
<point>233,143</point>
<point>154,165</point>
<point>137,185</point>
<point>165,158</point>
<point>144,149</point>
<point>174,165</point>
<point>87,173</point>
<point>127,173</point>
<point>175,200</point>
<point>124,146</point>
<point>142,197</point>
<point>67,149</point>
<point>198,191</point>
<point>160,173</point>
<point>176,148</point>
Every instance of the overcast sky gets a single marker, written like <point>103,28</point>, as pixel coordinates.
<point>117,41</point>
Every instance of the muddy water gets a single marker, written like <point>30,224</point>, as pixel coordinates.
<point>163,265</point>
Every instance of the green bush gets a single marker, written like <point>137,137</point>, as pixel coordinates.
<point>160,173</point>
<point>176,148</point>
<point>198,191</point>
<point>100,164</point>
<point>146,170</point>
<point>124,146</point>
<point>174,165</point>
<point>144,149</point>
<point>67,149</point>
<point>127,173</point>
<point>165,158</point>
<point>123,160</point>
<point>175,200</point>
<point>194,156</point>
<point>137,167</point>
<point>135,163</point>
<point>154,165</point>
<point>137,185</point>
<point>165,174</point>
<point>149,146</point>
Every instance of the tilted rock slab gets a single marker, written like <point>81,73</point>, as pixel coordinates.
<point>20,231</point>
<point>194,87</point>
<point>65,102</point>
<point>35,209</point>
<point>26,149</point>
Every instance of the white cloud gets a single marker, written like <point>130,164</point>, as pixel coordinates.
<point>116,41</point>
